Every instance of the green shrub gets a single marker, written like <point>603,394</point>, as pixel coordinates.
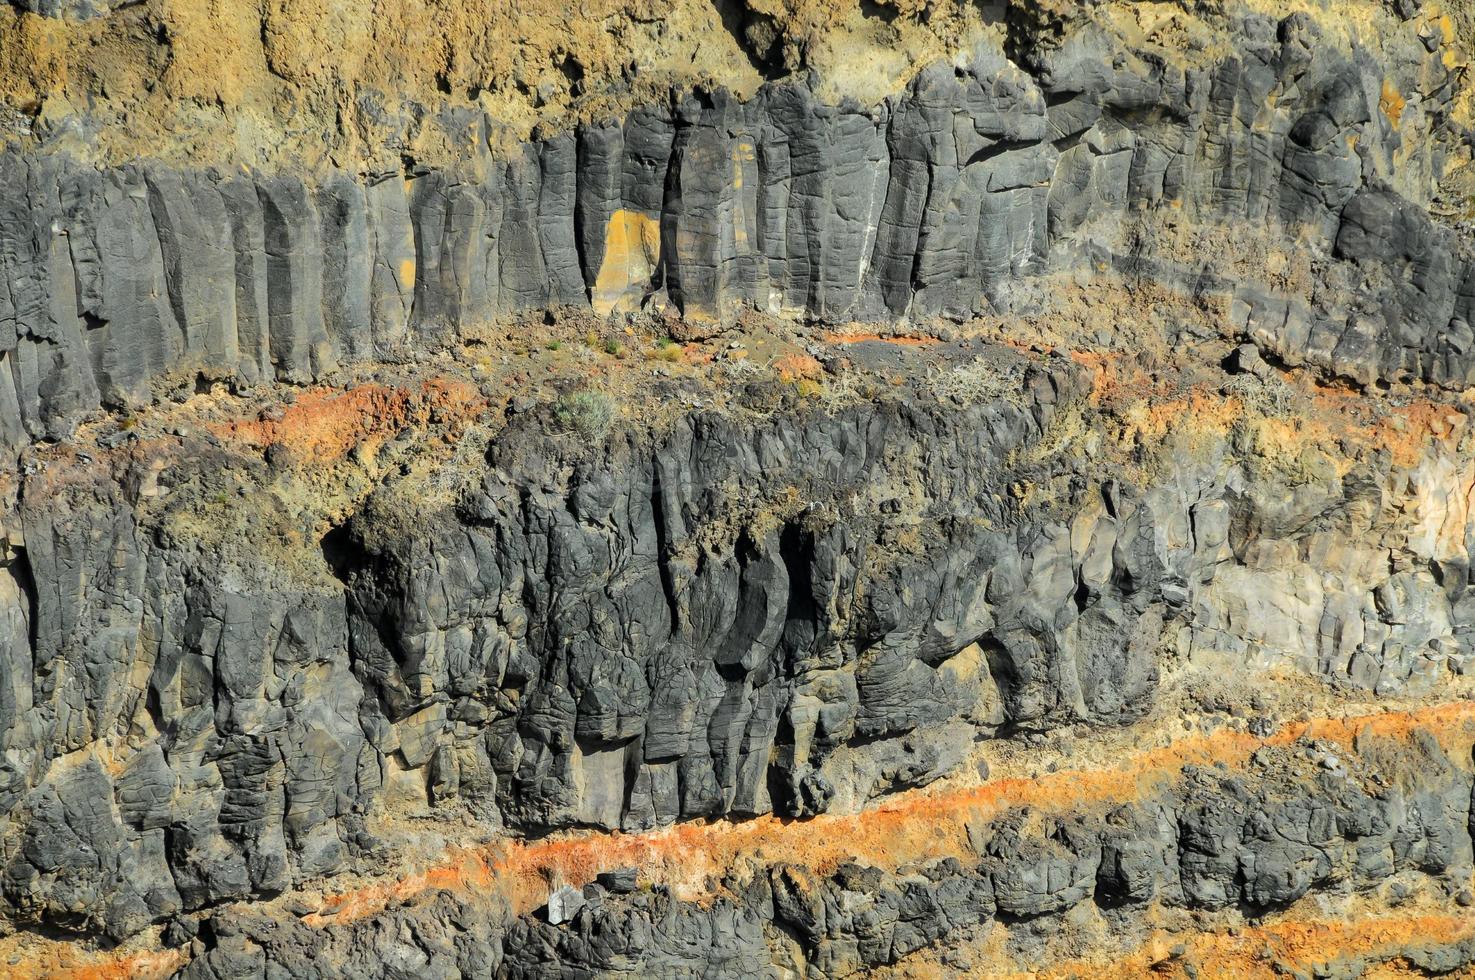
<point>808,388</point>
<point>586,412</point>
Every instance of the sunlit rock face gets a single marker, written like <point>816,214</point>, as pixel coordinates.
<point>984,492</point>
<point>940,201</point>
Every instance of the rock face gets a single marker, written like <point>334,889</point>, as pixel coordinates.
<point>1260,842</point>
<point>753,611</point>
<point>1026,446</point>
<point>937,202</point>
<point>1292,825</point>
<point>78,9</point>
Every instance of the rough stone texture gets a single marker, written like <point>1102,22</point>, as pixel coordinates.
<point>78,9</point>
<point>938,201</point>
<point>760,610</point>
<point>240,657</point>
<point>1258,840</point>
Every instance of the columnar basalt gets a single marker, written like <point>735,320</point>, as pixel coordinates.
<point>1028,463</point>
<point>937,202</point>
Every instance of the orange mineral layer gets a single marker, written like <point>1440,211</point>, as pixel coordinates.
<point>908,827</point>
<point>1267,951</point>
<point>916,825</point>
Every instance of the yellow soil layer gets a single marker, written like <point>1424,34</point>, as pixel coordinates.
<point>62,962</point>
<point>269,81</point>
<point>1298,945</point>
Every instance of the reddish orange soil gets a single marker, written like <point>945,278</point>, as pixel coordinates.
<point>909,827</point>
<point>324,424</point>
<point>1152,407</point>
<point>798,367</point>
<point>905,340</point>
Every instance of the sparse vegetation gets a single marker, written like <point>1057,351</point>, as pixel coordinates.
<point>665,349</point>
<point>803,372</point>
<point>794,368</point>
<point>614,348</point>
<point>555,345</point>
<point>586,412</point>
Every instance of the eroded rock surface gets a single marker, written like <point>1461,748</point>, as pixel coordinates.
<point>938,201</point>
<point>985,494</point>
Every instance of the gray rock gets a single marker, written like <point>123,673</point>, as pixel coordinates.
<point>621,881</point>
<point>943,200</point>
<point>70,9</point>
<point>564,904</point>
<point>572,642</point>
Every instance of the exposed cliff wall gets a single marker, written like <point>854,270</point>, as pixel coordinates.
<point>937,201</point>
<point>420,454</point>
<point>611,609</point>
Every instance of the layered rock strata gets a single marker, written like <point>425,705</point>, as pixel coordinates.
<point>1321,816</point>
<point>769,465</point>
<point>935,202</point>
<point>767,606</point>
